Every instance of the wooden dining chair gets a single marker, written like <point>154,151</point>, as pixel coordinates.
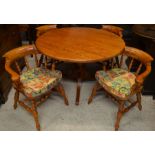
<point>34,82</point>
<point>44,28</point>
<point>119,32</point>
<point>114,29</point>
<point>40,31</point>
<point>121,83</point>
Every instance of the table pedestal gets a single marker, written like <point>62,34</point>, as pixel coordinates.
<point>81,73</point>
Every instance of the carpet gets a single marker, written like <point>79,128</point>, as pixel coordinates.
<point>54,115</point>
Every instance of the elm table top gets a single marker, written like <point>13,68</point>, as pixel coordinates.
<point>80,45</point>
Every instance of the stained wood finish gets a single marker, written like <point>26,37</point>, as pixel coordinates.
<point>13,56</point>
<point>117,31</point>
<point>145,60</point>
<point>40,31</point>
<point>80,45</point>
<point>45,28</point>
<point>114,29</point>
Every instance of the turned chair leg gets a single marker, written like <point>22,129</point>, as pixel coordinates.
<point>119,114</point>
<point>61,90</point>
<point>95,87</point>
<point>139,101</point>
<point>35,115</point>
<point>16,99</point>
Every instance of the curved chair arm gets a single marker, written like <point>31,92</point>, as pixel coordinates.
<point>15,54</point>
<point>114,29</point>
<point>138,54</point>
<point>20,52</point>
<point>145,59</point>
<point>44,28</point>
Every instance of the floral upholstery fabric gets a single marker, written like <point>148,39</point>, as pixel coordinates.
<point>37,81</point>
<point>116,81</point>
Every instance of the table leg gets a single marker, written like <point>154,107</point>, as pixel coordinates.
<point>79,81</point>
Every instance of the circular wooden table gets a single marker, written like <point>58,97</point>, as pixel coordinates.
<point>80,45</point>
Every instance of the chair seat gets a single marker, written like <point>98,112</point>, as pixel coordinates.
<point>116,81</point>
<point>38,81</point>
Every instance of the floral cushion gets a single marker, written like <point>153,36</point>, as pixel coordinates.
<point>116,81</point>
<point>38,81</point>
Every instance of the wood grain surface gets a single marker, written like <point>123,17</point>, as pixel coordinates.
<point>80,45</point>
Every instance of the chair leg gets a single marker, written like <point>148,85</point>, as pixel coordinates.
<point>61,90</point>
<point>35,115</point>
<point>139,101</point>
<point>119,114</point>
<point>16,99</point>
<point>95,87</point>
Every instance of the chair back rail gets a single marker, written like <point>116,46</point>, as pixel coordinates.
<point>36,60</point>
<point>17,67</point>
<point>139,68</point>
<point>130,65</point>
<point>40,31</point>
<point>27,63</point>
<point>137,55</point>
<point>45,28</point>
<point>114,29</point>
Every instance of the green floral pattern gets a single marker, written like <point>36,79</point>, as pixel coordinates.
<point>117,81</point>
<point>38,81</point>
